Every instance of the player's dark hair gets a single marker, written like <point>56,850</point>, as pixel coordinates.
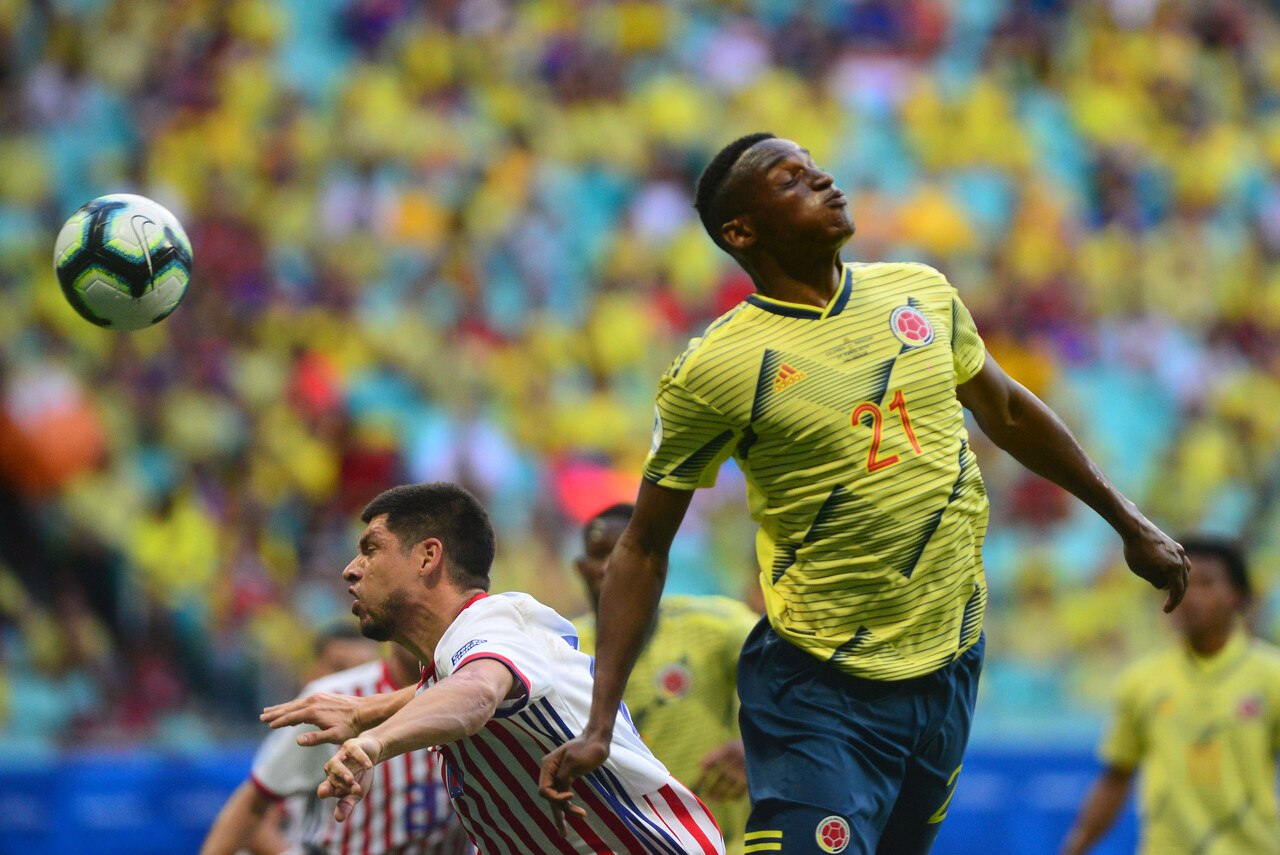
<point>448,513</point>
<point>345,630</point>
<point>619,513</point>
<point>709,200</point>
<point>1225,551</point>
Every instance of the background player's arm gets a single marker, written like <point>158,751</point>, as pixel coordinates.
<point>724,771</point>
<point>240,825</point>
<point>1021,424</point>
<point>339,717</point>
<point>1099,810</point>
<point>724,768</point>
<point>633,582</point>
<point>454,708</point>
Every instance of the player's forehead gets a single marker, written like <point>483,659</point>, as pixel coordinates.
<point>375,530</point>
<point>769,153</point>
<point>601,534</point>
<point>1208,568</point>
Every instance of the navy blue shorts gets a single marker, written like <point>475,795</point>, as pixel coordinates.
<point>837,763</point>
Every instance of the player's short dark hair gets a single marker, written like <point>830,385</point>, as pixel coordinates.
<point>343,630</point>
<point>709,199</point>
<point>1226,551</point>
<point>619,513</point>
<point>448,513</point>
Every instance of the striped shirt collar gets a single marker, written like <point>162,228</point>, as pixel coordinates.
<point>799,310</point>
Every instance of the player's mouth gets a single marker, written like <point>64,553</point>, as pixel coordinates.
<point>835,199</point>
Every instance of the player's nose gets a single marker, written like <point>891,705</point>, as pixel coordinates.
<point>822,179</point>
<point>351,572</point>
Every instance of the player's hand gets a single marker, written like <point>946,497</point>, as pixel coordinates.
<point>562,767</point>
<point>337,716</point>
<point>724,772</point>
<point>1158,558</point>
<point>345,773</point>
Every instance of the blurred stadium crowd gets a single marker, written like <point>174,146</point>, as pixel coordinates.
<point>453,240</point>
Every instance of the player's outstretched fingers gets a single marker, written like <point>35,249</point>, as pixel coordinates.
<point>555,786</point>
<point>331,736</point>
<point>1178,584</point>
<point>345,806</point>
<point>287,715</point>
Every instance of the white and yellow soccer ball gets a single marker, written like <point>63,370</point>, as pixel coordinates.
<point>123,262</point>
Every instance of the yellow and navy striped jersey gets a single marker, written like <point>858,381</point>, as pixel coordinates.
<point>846,424</point>
<point>1205,732</point>
<point>682,693</point>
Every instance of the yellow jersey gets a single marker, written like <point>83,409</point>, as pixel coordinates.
<point>682,694</point>
<point>846,424</point>
<point>1205,732</point>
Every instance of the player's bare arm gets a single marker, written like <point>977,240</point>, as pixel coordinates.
<point>238,821</point>
<point>339,717</point>
<point>1021,424</point>
<point>455,708</point>
<point>629,598</point>
<point>1100,809</point>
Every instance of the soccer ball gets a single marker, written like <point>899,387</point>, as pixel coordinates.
<point>123,262</point>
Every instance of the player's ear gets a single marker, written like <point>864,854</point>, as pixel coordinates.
<point>428,555</point>
<point>739,233</point>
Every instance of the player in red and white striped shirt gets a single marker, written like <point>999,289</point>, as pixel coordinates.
<point>406,812</point>
<point>505,685</point>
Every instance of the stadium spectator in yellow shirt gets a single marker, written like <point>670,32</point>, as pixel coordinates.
<point>682,695</point>
<point>1202,722</point>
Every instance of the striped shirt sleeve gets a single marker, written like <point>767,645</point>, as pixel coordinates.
<point>691,438</point>
<point>967,350</point>
<point>494,629</point>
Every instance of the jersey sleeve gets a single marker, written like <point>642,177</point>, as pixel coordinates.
<point>1123,745</point>
<point>284,768</point>
<point>691,438</point>
<point>494,629</point>
<point>967,350</point>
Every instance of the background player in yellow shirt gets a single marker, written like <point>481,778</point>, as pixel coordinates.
<point>683,690</point>
<point>1202,720</point>
<point>838,390</point>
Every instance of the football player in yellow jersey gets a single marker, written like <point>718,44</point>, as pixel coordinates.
<point>1202,720</point>
<point>682,693</point>
<point>838,390</point>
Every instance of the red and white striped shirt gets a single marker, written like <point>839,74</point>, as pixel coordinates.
<point>406,811</point>
<point>633,804</point>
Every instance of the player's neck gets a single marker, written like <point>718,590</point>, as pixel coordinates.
<point>403,667</point>
<point>1210,641</point>
<point>428,623</point>
<point>806,280</point>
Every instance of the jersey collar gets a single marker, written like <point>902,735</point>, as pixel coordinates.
<point>1224,658</point>
<point>799,310</point>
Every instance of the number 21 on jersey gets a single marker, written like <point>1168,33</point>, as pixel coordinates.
<point>899,404</point>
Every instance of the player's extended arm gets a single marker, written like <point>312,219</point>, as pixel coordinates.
<point>339,717</point>
<point>237,821</point>
<point>1024,426</point>
<point>629,596</point>
<point>1099,810</point>
<point>454,708</point>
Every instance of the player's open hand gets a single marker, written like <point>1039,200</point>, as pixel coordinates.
<point>337,716</point>
<point>724,772</point>
<point>345,773</point>
<point>1158,558</point>
<point>562,767</point>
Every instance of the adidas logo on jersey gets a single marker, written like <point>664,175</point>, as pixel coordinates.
<point>787,376</point>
